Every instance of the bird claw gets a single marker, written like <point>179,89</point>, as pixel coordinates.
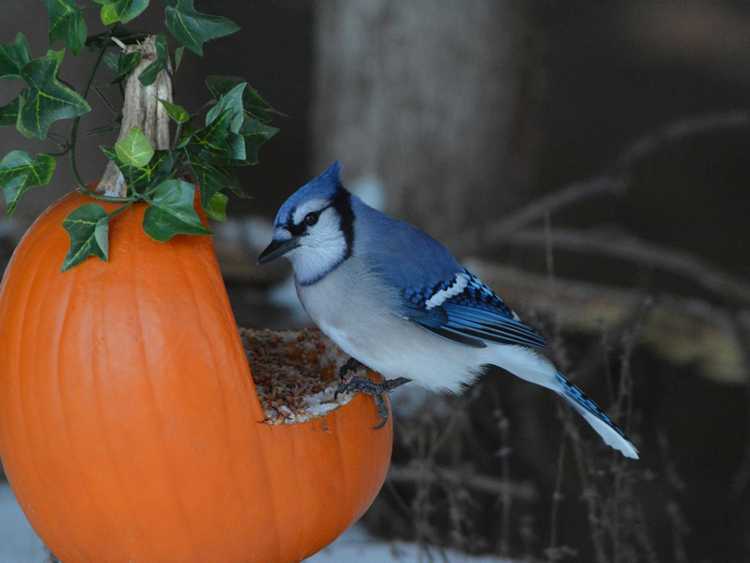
<point>350,365</point>
<point>376,390</point>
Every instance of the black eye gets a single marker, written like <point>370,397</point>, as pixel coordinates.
<point>310,219</point>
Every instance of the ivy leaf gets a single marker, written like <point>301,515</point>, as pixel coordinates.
<point>179,52</point>
<point>213,141</point>
<point>111,60</point>
<point>135,149</point>
<point>88,227</point>
<point>9,113</point>
<point>253,102</point>
<point>150,73</point>
<point>46,99</point>
<point>140,179</point>
<point>172,212</point>
<point>124,64</point>
<point>256,134</point>
<point>19,172</point>
<point>14,56</point>
<point>122,11</point>
<point>178,113</point>
<point>192,28</point>
<point>211,178</point>
<point>231,104</point>
<point>66,22</point>
<point>230,109</point>
<point>217,207</point>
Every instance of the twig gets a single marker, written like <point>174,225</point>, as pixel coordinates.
<point>557,497</point>
<point>742,476</point>
<point>73,142</point>
<point>677,130</point>
<point>612,180</point>
<point>569,194</point>
<point>415,473</point>
<point>680,330</point>
<point>628,247</point>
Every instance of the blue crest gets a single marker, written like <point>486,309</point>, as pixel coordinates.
<point>320,187</point>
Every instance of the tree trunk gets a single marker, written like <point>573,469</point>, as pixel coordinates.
<point>425,98</point>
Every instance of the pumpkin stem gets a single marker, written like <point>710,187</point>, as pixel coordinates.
<point>141,108</point>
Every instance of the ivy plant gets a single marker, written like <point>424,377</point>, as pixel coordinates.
<point>208,145</point>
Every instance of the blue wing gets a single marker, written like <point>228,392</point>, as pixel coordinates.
<point>437,292</point>
<point>465,310</point>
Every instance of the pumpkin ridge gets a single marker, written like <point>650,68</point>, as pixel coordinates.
<point>167,463</point>
<point>27,418</point>
<point>342,465</point>
<point>229,431</point>
<point>274,509</point>
<point>303,534</point>
<point>106,431</point>
<point>62,397</point>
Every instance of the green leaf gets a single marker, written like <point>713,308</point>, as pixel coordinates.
<point>135,149</point>
<point>19,172</point>
<point>46,99</point>
<point>66,22</point>
<point>179,52</point>
<point>178,113</point>
<point>140,179</point>
<point>9,113</point>
<point>253,102</point>
<point>192,28</point>
<point>14,56</point>
<point>213,141</point>
<point>126,63</point>
<point>112,61</point>
<point>123,11</point>
<point>256,134</point>
<point>217,207</point>
<point>172,212</point>
<point>211,178</point>
<point>231,105</point>
<point>88,227</point>
<point>161,62</point>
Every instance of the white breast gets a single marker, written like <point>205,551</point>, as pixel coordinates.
<point>353,308</point>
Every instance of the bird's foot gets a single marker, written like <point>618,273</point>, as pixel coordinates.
<point>376,390</point>
<point>350,365</point>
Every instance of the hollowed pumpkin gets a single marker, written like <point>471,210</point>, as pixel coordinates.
<point>130,428</point>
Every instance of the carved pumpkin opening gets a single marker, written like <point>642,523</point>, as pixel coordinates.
<point>295,373</point>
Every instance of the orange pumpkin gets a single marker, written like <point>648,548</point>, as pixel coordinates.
<point>130,429</point>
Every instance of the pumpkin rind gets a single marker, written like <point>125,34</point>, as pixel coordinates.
<point>129,425</point>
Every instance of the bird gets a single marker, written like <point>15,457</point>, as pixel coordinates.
<point>396,301</point>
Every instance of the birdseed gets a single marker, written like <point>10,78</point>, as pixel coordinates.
<point>295,373</point>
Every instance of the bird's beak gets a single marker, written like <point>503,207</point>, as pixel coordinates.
<point>277,248</point>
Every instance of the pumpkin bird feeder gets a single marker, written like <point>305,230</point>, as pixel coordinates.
<point>137,423</point>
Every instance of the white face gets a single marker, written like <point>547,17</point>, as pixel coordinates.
<point>322,244</point>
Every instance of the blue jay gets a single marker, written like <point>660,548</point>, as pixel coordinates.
<point>397,301</point>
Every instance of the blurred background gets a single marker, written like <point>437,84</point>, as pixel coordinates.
<point>589,161</point>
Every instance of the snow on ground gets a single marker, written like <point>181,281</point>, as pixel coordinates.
<point>357,545</point>
<point>19,544</point>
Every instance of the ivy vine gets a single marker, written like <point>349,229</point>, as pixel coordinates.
<point>208,144</point>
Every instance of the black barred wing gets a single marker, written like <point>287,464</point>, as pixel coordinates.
<point>465,310</point>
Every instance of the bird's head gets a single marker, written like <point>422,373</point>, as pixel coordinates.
<point>314,228</point>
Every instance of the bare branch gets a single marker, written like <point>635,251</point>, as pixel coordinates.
<point>572,193</point>
<point>628,247</point>
<point>429,474</point>
<point>677,130</point>
<point>612,181</point>
<point>680,330</point>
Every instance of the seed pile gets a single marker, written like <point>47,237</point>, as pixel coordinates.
<point>295,373</point>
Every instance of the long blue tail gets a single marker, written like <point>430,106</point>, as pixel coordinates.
<point>596,417</point>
